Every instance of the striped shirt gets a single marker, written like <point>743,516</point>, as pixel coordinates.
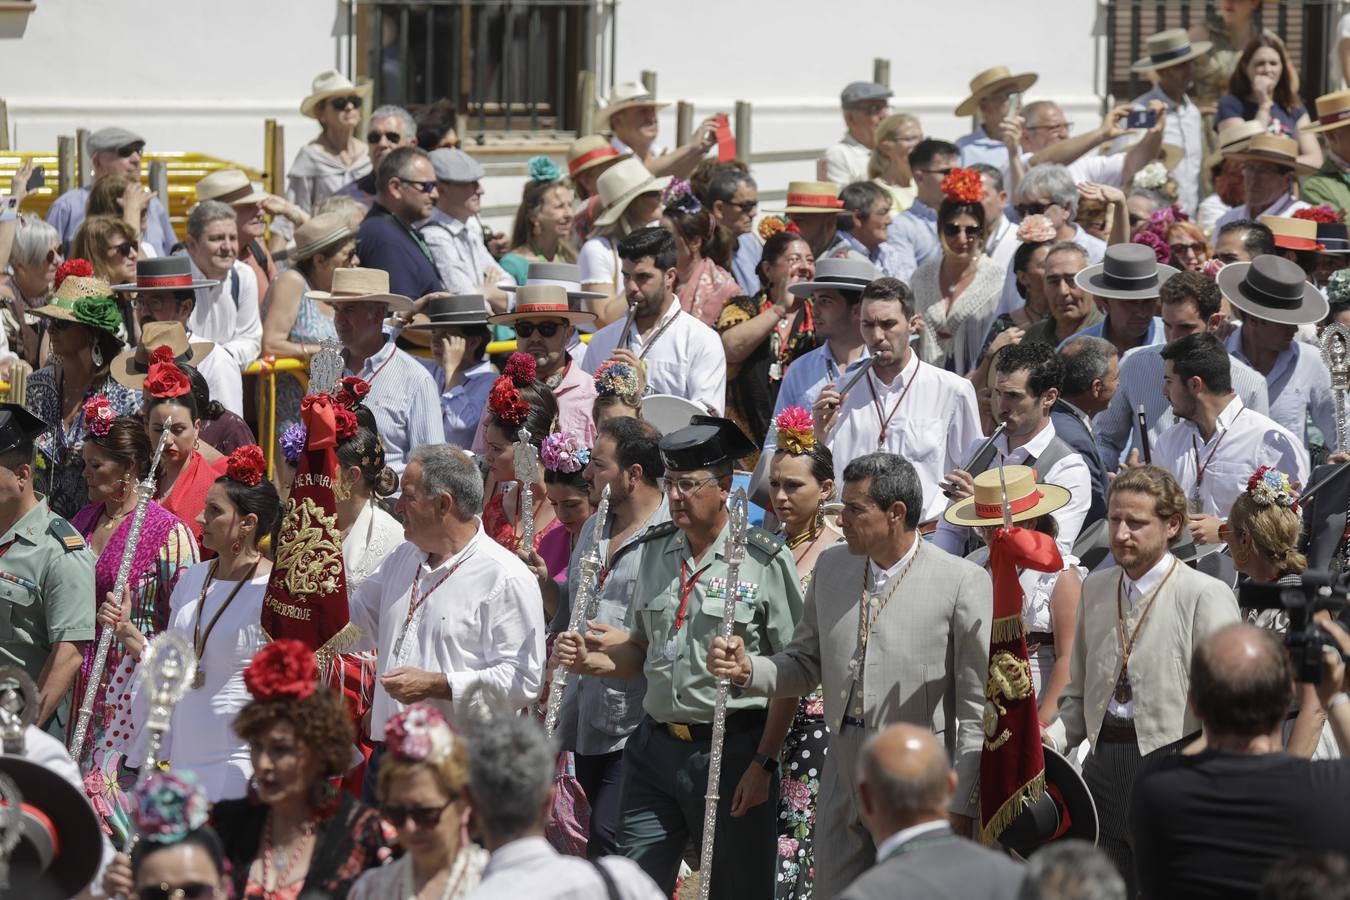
<point>1299,387</point>
<point>405,401</point>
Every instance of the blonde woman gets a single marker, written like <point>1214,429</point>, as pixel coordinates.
<point>889,165</point>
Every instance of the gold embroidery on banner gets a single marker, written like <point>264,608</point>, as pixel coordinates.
<point>308,553</point>
<point>1009,679</point>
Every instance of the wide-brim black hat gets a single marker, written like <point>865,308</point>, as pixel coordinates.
<point>1272,288</point>
<point>1064,810</point>
<point>62,846</point>
<point>706,441</point>
<point>1126,272</point>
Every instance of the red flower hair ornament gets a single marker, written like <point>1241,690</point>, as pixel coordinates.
<point>80,268</point>
<point>521,369</point>
<point>963,186</point>
<point>99,415</point>
<point>345,420</point>
<point>505,403</point>
<point>246,465</point>
<point>283,670</point>
<point>164,379</point>
<point>352,392</point>
<point>1322,215</point>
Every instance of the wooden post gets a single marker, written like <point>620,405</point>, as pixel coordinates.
<point>881,71</point>
<point>585,102</point>
<point>66,160</point>
<point>4,124</point>
<point>649,81</point>
<point>81,156</point>
<point>159,180</point>
<point>743,116</point>
<point>269,141</point>
<point>274,157</point>
<point>684,122</point>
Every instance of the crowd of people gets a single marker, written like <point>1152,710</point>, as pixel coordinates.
<point>1122,352</point>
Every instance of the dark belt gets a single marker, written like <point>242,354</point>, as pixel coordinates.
<point>1117,731</point>
<point>737,722</point>
<point>1037,638</point>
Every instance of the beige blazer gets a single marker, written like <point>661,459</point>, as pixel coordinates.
<point>1190,606</point>
<point>927,657</point>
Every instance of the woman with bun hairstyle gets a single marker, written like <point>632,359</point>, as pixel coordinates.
<point>517,400</point>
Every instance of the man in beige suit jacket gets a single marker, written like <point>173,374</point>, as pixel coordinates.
<point>923,661</point>
<point>1129,670</point>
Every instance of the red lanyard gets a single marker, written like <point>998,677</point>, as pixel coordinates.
<point>417,601</point>
<point>876,402</point>
<point>686,588</point>
<point>1200,469</point>
<point>373,375</point>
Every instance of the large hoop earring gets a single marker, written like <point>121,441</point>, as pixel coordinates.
<point>96,357</point>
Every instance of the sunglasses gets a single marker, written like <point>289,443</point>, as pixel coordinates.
<point>126,248</point>
<point>193,890</point>
<point>422,816</point>
<point>943,172</point>
<point>545,329</point>
<point>425,187</point>
<point>392,137</point>
<point>951,229</point>
<point>1033,209</point>
<point>129,149</point>
<point>1181,249</point>
<point>341,104</point>
<point>52,257</point>
<point>747,207</point>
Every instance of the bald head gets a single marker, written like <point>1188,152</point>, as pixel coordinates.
<point>904,778</point>
<point>1242,682</point>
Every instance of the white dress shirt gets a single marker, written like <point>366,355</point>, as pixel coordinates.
<point>1242,442</point>
<point>936,421</point>
<point>1131,594</point>
<point>462,259</point>
<point>1285,206</point>
<point>1141,381</point>
<point>1071,473</point>
<point>684,357</point>
<point>530,867</point>
<point>483,621</point>
<point>405,401</point>
<point>878,577</point>
<point>223,378</point>
<point>229,316</point>
<point>805,379</point>
<point>1298,386</point>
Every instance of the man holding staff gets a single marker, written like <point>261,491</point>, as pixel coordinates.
<point>675,614</point>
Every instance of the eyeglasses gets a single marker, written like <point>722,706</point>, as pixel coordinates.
<point>943,172</point>
<point>951,229</point>
<point>392,137</point>
<point>126,248</point>
<point>422,816</point>
<point>1062,126</point>
<point>340,104</point>
<point>545,329</point>
<point>747,207</point>
<point>425,187</point>
<point>1033,209</point>
<point>683,487</point>
<point>129,149</point>
<point>1182,249</point>
<point>193,890</point>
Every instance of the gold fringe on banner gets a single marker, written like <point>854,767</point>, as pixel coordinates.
<point>1026,795</point>
<point>1006,631</point>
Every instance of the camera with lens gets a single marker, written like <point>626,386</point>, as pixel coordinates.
<point>1315,591</point>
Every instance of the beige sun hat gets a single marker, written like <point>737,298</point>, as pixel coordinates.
<point>320,232</point>
<point>356,285</point>
<point>1169,48</point>
<point>1027,499</point>
<point>333,84</point>
<point>625,96</point>
<point>1234,139</point>
<point>621,184</point>
<point>130,367</point>
<point>229,186</point>
<point>1275,149</point>
<point>991,81</point>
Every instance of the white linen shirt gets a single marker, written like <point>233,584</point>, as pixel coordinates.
<point>686,359</point>
<point>482,623</point>
<point>936,422</point>
<point>462,259</point>
<point>846,161</point>
<point>805,379</point>
<point>1070,473</point>
<point>405,402</point>
<point>1242,442</point>
<point>230,321</point>
<point>1131,592</point>
<point>1297,386</point>
<point>530,867</point>
<point>223,378</point>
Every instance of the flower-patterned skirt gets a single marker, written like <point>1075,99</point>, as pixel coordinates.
<point>803,758</point>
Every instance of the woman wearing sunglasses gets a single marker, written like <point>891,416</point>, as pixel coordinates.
<point>112,247</point>
<point>421,790</point>
<point>179,856</point>
<point>33,260</point>
<point>957,294</point>
<point>337,156</point>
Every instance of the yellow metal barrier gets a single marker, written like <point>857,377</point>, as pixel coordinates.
<point>267,399</point>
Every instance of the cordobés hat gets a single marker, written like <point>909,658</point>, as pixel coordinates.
<point>565,275</point>
<point>1333,237</point>
<point>591,151</point>
<point>1027,499</point>
<point>164,273</point>
<point>621,184</point>
<point>668,413</point>
<point>625,96</point>
<point>1064,811</point>
<point>229,186</point>
<point>356,285</point>
<point>443,310</point>
<point>129,367</point>
<point>319,233</point>
<point>846,275</point>
<point>1333,111</point>
<point>1292,234</point>
<point>1126,272</point>
<point>332,84</point>
<point>1274,289</point>
<point>991,81</point>
<point>807,197</point>
<point>1169,48</point>
<point>541,301</point>
<point>60,843</point>
<point>1275,149</point>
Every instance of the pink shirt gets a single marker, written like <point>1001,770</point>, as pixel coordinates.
<point>575,395</point>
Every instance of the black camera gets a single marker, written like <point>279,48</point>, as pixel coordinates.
<point>1315,591</point>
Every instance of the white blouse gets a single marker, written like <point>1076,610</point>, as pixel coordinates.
<point>373,536</point>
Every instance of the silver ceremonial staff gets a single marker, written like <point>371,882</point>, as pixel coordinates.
<point>1336,354</point>
<point>590,565</point>
<point>146,490</point>
<point>735,555</point>
<point>527,470</point>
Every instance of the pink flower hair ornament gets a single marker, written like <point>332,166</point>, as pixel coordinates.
<point>419,734</point>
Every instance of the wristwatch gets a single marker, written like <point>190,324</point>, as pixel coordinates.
<point>768,763</point>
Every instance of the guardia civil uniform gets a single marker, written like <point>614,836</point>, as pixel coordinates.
<point>677,611</point>
<point>46,575</point>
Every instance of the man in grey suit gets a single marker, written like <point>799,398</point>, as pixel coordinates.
<point>905,786</point>
<point>921,659</point>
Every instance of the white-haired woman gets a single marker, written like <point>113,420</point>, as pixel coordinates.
<point>34,257</point>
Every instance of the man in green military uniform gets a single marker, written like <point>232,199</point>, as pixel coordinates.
<point>46,575</point>
<point>675,614</point>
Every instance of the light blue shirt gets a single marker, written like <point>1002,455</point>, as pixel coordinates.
<point>979,147</point>
<point>462,406</point>
<point>66,215</point>
<point>913,235</point>
<point>1298,386</point>
<point>886,257</point>
<point>749,249</point>
<point>1153,336</point>
<point>405,402</point>
<point>805,379</point>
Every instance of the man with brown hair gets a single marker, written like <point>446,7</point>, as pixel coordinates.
<point>1138,621</point>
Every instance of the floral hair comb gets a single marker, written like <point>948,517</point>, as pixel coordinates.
<point>168,807</point>
<point>1269,486</point>
<point>99,415</point>
<point>563,451</point>
<point>419,734</point>
<point>796,430</point>
<point>246,465</point>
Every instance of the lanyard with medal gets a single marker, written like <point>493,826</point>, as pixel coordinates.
<point>686,588</point>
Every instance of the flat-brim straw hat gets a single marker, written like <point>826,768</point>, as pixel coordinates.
<point>591,151</point>
<point>1292,234</point>
<point>1233,139</point>
<point>1169,48</point>
<point>541,301</point>
<point>1026,499</point>
<point>229,186</point>
<point>991,81</point>
<point>360,285</point>
<point>806,198</point>
<point>1333,111</point>
<point>320,233</point>
<point>1275,149</point>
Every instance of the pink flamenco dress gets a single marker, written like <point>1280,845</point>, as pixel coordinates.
<point>165,547</point>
